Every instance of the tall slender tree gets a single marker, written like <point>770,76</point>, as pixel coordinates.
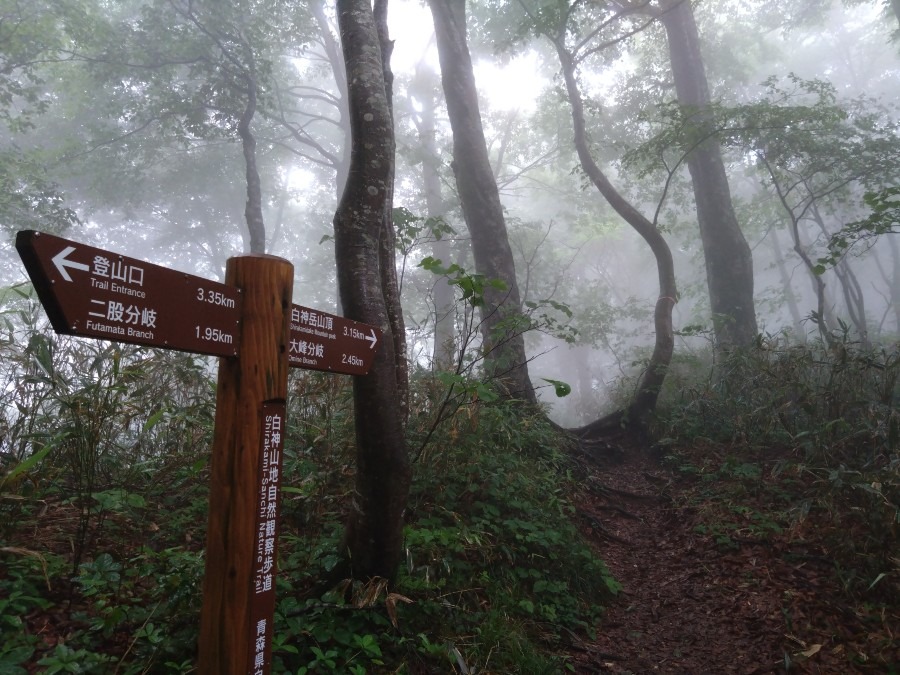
<point>232,54</point>
<point>503,323</point>
<point>729,262</point>
<point>387,253</point>
<point>423,88</point>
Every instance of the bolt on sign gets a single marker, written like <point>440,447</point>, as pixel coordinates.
<point>322,341</point>
<point>95,293</point>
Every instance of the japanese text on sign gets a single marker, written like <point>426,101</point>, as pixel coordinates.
<point>95,293</point>
<point>322,341</point>
<point>265,562</point>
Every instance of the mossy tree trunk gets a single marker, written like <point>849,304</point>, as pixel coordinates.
<point>374,536</point>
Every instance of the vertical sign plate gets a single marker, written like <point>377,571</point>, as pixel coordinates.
<point>262,603</point>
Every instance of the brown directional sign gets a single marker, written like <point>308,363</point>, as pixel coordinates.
<point>322,341</point>
<point>95,293</point>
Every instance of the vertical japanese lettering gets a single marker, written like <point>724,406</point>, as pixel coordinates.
<point>266,548</point>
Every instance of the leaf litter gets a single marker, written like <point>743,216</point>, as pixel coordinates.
<point>704,592</point>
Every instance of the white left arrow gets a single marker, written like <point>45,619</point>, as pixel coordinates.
<point>61,263</point>
<point>373,339</point>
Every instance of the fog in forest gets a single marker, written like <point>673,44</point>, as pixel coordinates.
<point>121,132</point>
<point>599,365</point>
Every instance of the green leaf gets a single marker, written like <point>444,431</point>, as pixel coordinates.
<point>877,579</point>
<point>154,419</point>
<point>485,393</point>
<point>41,347</point>
<point>498,284</point>
<point>135,501</point>
<point>434,266</point>
<point>10,661</point>
<point>450,379</point>
<point>23,467</point>
<point>562,388</point>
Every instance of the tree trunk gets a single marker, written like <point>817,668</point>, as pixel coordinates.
<point>586,403</point>
<point>854,298</point>
<point>895,281</point>
<point>253,209</point>
<point>443,354</point>
<point>502,322</point>
<point>374,536</point>
<point>824,320</point>
<point>729,263</point>
<point>789,295</point>
<point>644,402</point>
<point>388,248</point>
<point>333,53</point>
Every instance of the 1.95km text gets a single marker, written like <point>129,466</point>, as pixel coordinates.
<point>214,335</point>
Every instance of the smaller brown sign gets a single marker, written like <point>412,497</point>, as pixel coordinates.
<point>323,341</point>
<point>94,293</point>
<point>262,602</point>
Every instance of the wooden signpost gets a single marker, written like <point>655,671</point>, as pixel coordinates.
<point>250,404</point>
<point>251,322</point>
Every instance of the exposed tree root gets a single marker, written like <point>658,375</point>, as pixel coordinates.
<point>607,427</point>
<point>603,490</point>
<point>601,529</point>
<point>617,509</point>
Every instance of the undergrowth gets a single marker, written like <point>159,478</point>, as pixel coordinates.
<point>496,577</point>
<point>103,500</point>
<point>807,436</point>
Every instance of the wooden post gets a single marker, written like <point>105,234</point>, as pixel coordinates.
<point>250,386</point>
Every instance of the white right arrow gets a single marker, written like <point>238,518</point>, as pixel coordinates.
<point>61,263</point>
<point>372,339</point>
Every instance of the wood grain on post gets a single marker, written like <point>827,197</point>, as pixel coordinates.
<point>256,376</point>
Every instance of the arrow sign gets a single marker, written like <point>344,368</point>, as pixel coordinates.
<point>95,293</point>
<point>323,341</point>
<point>62,263</point>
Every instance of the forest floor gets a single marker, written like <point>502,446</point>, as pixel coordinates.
<point>719,575</point>
<point>729,562</point>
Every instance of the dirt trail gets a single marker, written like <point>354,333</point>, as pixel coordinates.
<point>690,605</point>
